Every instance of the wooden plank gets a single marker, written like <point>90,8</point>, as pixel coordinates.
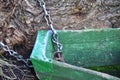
<point>81,48</point>
<point>92,47</point>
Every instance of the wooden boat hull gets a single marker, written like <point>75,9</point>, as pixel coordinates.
<point>82,49</point>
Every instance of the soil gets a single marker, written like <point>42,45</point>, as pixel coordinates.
<point>21,19</point>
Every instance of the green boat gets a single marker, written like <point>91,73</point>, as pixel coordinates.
<point>92,54</point>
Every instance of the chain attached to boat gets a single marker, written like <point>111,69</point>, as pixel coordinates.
<point>57,55</point>
<point>54,32</point>
<point>15,54</point>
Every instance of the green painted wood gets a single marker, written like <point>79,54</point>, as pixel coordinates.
<point>81,48</point>
<point>92,47</point>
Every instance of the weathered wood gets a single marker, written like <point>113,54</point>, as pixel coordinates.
<point>87,48</point>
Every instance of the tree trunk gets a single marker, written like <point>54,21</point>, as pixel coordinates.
<point>21,19</point>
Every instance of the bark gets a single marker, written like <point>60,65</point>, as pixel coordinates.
<point>21,19</point>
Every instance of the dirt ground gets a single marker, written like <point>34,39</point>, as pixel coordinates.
<point>21,19</point>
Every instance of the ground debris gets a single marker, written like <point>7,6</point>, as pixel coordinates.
<point>21,19</point>
<point>12,70</point>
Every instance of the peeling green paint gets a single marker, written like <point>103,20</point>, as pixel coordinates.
<point>81,48</point>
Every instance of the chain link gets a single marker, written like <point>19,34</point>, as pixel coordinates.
<point>50,24</point>
<point>16,55</point>
<point>54,38</point>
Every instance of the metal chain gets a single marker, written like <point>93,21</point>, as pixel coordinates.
<point>15,54</point>
<point>54,38</point>
<point>50,24</point>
